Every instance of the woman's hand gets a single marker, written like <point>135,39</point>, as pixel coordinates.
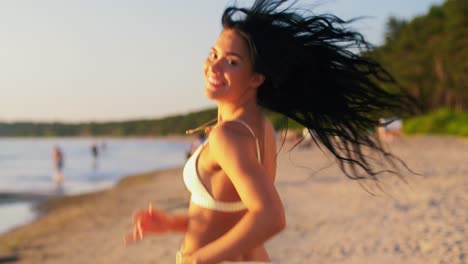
<point>189,260</point>
<point>148,221</point>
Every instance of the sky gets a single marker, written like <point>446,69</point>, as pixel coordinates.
<point>113,60</point>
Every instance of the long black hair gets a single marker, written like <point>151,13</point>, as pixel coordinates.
<point>313,76</point>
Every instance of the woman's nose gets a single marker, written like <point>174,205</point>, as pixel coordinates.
<point>215,65</point>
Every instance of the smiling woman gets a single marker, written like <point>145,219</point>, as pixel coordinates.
<point>229,70</point>
<point>275,58</point>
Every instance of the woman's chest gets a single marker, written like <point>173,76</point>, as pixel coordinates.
<point>215,180</point>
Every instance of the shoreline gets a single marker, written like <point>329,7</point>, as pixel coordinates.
<point>60,212</point>
<point>174,137</point>
<point>64,201</point>
<point>79,178</point>
<point>12,197</point>
<point>330,219</point>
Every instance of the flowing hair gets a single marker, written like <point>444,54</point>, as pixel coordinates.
<point>313,77</point>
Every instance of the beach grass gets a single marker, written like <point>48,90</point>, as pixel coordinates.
<point>441,122</point>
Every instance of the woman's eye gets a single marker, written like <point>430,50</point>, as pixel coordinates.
<point>212,55</point>
<point>232,62</point>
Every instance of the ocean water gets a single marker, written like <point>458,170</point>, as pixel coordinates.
<point>26,168</point>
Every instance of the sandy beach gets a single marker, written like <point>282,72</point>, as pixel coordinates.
<point>330,219</point>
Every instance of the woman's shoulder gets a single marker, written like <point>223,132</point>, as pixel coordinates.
<point>228,132</point>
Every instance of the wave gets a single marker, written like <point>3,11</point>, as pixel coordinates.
<point>11,197</point>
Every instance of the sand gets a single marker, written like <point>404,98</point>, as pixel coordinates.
<point>330,219</point>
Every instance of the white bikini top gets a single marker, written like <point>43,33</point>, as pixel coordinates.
<point>200,195</point>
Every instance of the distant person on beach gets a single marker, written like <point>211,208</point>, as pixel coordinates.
<point>94,151</point>
<point>198,141</point>
<point>306,140</point>
<point>272,57</point>
<point>95,154</point>
<point>103,147</point>
<point>58,161</point>
<point>390,129</point>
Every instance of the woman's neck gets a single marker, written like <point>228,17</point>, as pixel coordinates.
<point>245,111</point>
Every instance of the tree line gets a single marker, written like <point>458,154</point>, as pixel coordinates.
<point>176,124</point>
<point>171,125</point>
<point>428,55</point>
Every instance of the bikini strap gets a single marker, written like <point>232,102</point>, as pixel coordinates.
<point>253,134</point>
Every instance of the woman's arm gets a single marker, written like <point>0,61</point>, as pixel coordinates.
<point>265,213</point>
<point>156,222</point>
<point>178,223</point>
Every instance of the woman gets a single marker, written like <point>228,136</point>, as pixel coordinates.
<point>275,58</point>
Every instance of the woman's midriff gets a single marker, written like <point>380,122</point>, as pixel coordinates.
<point>206,226</point>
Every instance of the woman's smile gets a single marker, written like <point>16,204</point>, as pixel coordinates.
<point>215,83</point>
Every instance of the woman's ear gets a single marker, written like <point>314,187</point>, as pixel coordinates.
<point>257,79</point>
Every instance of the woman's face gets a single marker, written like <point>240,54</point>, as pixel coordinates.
<point>228,69</point>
